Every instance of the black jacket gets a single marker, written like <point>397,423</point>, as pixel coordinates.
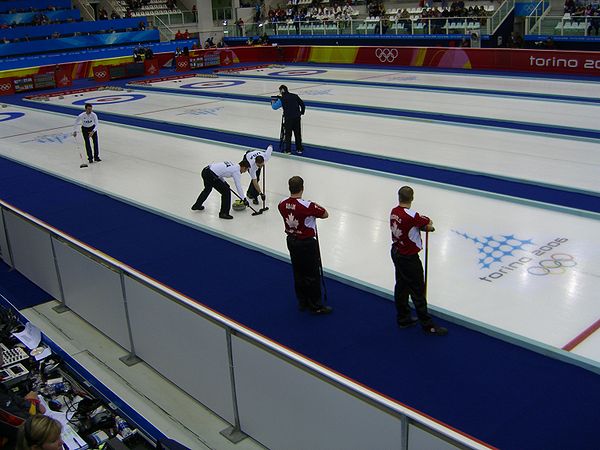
<point>293,106</point>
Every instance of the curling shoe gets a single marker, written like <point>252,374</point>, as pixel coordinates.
<point>97,159</point>
<point>321,310</point>
<point>197,207</point>
<point>225,216</point>
<point>435,330</point>
<point>255,200</point>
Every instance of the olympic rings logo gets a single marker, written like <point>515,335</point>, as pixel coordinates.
<point>101,74</point>
<point>558,264</point>
<point>386,54</point>
<point>182,64</point>
<point>5,87</point>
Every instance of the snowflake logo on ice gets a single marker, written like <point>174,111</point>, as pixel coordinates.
<point>318,92</point>
<point>57,138</point>
<point>291,221</point>
<point>202,111</point>
<point>492,249</point>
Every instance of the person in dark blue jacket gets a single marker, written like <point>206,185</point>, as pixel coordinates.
<point>293,109</point>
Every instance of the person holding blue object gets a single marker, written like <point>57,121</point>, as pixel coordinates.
<point>293,109</point>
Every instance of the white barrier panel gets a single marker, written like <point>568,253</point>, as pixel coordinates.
<point>419,439</point>
<point>283,399</point>
<point>32,253</point>
<point>185,347</point>
<point>4,252</point>
<point>93,291</point>
<point>285,407</point>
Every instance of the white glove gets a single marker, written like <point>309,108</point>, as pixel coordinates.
<point>270,147</point>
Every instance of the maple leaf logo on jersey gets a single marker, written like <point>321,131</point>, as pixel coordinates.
<point>396,232</point>
<point>291,221</point>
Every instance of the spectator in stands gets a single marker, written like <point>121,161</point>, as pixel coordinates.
<point>240,26</point>
<point>594,13</point>
<point>515,40</point>
<point>114,15</point>
<point>569,6</point>
<point>142,25</point>
<point>40,433</point>
<point>178,35</point>
<point>186,34</point>
<point>103,14</point>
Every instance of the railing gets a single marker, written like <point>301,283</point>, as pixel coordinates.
<point>220,14</point>
<point>567,25</point>
<point>534,18</point>
<point>448,26</point>
<point>498,17</point>
<point>87,12</point>
<point>176,18</point>
<point>150,320</point>
<point>166,33</point>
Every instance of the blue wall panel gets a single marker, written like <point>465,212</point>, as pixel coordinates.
<point>28,17</point>
<point>72,27</point>
<point>95,40</point>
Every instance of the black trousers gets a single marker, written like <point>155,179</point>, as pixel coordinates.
<point>212,181</point>
<point>252,192</point>
<point>304,254</point>
<point>85,131</point>
<point>410,281</point>
<point>289,125</point>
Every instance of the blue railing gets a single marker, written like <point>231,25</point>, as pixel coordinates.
<point>71,28</point>
<point>95,40</point>
<point>23,5</point>
<point>29,17</point>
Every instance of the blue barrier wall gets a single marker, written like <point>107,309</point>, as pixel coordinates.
<point>19,18</point>
<point>70,28</point>
<point>21,62</point>
<point>25,5</point>
<point>95,40</point>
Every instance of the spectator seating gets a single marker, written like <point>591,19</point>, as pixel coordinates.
<point>153,8</point>
<point>69,29</point>
<point>79,42</point>
<point>571,27</point>
<point>29,17</point>
<point>31,5</point>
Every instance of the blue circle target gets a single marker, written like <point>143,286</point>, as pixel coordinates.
<point>296,73</point>
<point>109,99</point>
<point>4,116</point>
<point>212,84</point>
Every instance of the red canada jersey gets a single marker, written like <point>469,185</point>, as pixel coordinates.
<point>299,217</point>
<point>405,225</point>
